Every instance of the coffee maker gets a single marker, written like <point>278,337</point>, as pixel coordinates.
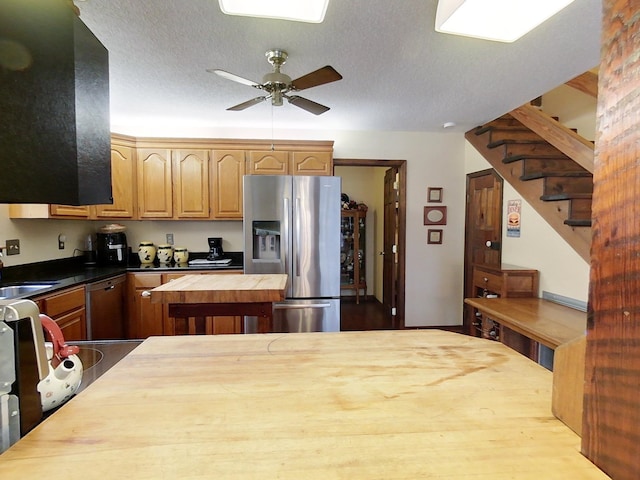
<point>112,248</point>
<point>215,248</point>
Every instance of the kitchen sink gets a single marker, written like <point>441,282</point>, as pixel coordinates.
<point>14,291</point>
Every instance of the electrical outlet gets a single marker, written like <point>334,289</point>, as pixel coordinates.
<point>13,247</point>
<point>170,238</point>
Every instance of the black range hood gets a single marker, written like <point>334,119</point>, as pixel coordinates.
<point>54,106</point>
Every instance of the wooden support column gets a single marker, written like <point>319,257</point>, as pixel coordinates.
<point>611,422</point>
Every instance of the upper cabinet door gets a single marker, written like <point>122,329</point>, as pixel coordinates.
<point>312,163</point>
<point>269,163</point>
<point>191,183</point>
<point>154,183</point>
<point>227,170</point>
<point>122,181</point>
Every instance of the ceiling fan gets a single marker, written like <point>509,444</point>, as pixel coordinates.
<point>277,85</point>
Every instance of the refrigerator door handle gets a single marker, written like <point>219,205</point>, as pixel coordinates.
<point>297,232</point>
<point>285,237</point>
<point>288,306</point>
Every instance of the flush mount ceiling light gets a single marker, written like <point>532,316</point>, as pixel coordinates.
<point>498,20</point>
<point>311,11</point>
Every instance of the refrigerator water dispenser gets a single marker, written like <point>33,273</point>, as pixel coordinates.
<point>266,240</point>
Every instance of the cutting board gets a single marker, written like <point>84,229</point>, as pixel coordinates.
<point>233,288</point>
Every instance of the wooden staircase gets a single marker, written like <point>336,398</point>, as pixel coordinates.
<point>548,164</point>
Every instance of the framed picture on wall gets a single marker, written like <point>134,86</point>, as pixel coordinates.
<point>435,215</point>
<point>434,236</point>
<point>434,194</point>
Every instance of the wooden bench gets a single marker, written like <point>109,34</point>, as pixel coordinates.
<point>563,329</point>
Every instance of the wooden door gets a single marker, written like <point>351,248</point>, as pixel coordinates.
<point>145,318</point>
<point>389,263</point>
<point>191,183</point>
<point>154,183</point>
<point>227,170</point>
<point>483,224</point>
<point>122,182</point>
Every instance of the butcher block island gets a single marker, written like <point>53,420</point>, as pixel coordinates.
<point>194,296</point>
<point>351,405</point>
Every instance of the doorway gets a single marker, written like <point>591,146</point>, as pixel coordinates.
<point>390,293</point>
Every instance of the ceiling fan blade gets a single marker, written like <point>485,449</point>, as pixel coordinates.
<point>235,78</point>
<point>319,77</point>
<point>307,105</point>
<point>247,104</point>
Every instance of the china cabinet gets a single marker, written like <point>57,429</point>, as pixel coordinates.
<point>353,252</point>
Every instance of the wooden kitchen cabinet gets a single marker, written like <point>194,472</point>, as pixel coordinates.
<point>268,162</point>
<point>506,281</point>
<point>144,318</point>
<point>312,163</point>
<point>122,181</point>
<point>191,183</point>
<point>82,211</point>
<point>67,308</point>
<point>227,170</point>
<point>154,183</point>
<point>290,162</point>
<point>188,179</point>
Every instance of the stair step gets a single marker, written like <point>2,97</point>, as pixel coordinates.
<point>558,185</point>
<point>517,158</point>
<point>566,196</point>
<point>537,175</point>
<point>577,223</point>
<point>580,209</point>
<point>515,148</point>
<point>504,120</point>
<point>533,166</point>
<point>512,134</point>
<point>513,126</point>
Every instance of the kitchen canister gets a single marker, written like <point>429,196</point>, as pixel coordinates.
<point>181,255</point>
<point>146,252</point>
<point>165,253</point>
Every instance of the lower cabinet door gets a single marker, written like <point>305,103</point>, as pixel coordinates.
<point>73,325</point>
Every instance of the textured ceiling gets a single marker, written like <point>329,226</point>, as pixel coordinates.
<point>399,74</point>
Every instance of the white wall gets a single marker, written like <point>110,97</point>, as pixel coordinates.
<point>562,271</point>
<point>573,109</point>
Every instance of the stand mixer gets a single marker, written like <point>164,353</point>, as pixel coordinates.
<point>215,248</point>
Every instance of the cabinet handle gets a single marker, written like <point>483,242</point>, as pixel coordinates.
<point>485,279</point>
<point>145,293</point>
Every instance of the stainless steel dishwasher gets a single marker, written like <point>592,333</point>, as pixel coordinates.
<point>105,309</point>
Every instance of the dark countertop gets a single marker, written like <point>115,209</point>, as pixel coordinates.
<point>67,272</point>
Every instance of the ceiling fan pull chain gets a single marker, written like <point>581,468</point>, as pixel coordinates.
<point>272,139</point>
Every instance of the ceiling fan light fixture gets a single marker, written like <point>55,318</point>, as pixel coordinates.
<point>497,20</point>
<point>310,11</point>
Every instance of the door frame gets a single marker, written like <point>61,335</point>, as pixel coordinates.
<point>401,166</point>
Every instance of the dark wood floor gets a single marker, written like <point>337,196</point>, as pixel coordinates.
<point>367,315</point>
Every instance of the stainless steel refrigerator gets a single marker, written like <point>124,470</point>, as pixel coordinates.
<point>292,226</point>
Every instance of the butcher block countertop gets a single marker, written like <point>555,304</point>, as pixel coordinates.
<point>352,405</point>
<point>232,288</point>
